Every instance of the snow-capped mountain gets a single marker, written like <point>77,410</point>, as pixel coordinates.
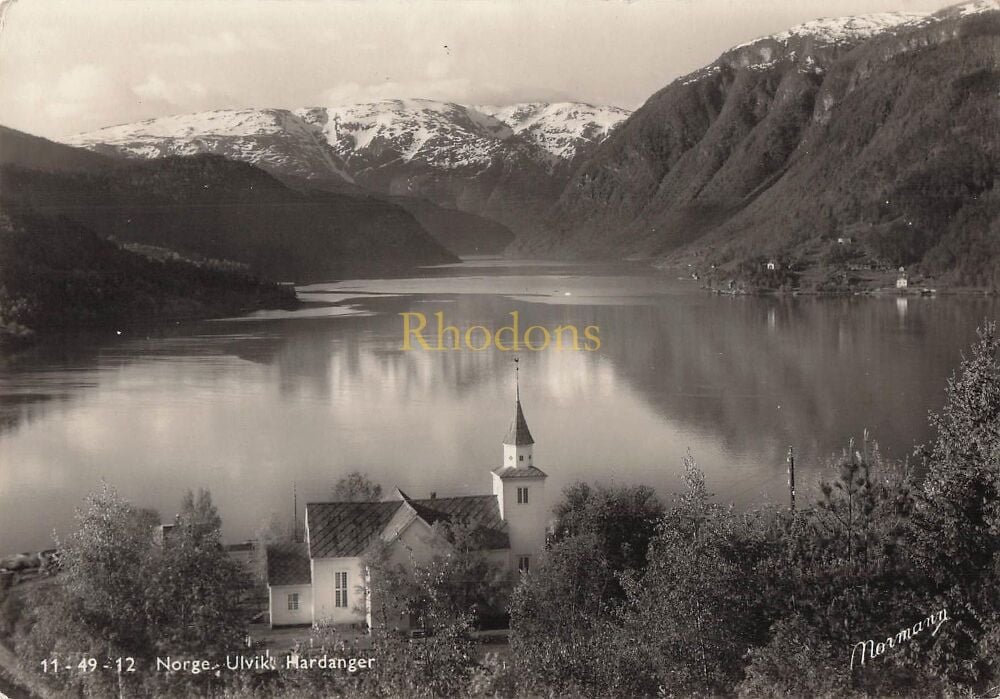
<point>273,139</point>
<point>881,128</point>
<point>841,30</point>
<point>814,45</point>
<point>307,142</point>
<point>561,129</point>
<point>505,162</point>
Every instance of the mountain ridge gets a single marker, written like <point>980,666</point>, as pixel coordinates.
<point>779,150</point>
<point>506,164</point>
<point>209,206</point>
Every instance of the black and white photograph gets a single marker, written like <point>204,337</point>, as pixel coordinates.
<point>499,349</point>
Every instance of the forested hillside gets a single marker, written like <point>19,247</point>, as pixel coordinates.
<point>208,206</point>
<point>57,275</point>
<point>889,137</point>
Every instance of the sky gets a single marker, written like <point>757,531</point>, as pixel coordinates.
<point>68,66</point>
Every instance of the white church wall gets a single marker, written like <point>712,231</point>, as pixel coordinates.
<point>325,609</point>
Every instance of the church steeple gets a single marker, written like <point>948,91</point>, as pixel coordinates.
<point>518,434</point>
<point>517,444</point>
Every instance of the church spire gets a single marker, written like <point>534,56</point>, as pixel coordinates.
<point>517,380</point>
<point>518,434</point>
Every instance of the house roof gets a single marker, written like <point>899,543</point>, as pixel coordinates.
<point>347,528</point>
<point>520,472</point>
<point>518,434</point>
<point>288,564</point>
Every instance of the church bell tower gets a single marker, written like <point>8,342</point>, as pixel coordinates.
<point>520,488</point>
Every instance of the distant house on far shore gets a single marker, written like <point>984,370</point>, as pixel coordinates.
<point>845,241</point>
<point>902,282</point>
<point>771,265</point>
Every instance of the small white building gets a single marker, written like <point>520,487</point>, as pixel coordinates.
<point>772,265</point>
<point>324,580</point>
<point>902,282</point>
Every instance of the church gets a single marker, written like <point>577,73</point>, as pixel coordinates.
<point>323,579</point>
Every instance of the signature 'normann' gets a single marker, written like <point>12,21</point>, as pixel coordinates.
<point>870,649</point>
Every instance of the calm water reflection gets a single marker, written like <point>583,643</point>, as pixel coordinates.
<point>245,407</point>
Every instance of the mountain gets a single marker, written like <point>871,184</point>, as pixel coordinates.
<point>881,130</point>
<point>24,150</point>
<point>210,207</point>
<point>56,274</point>
<point>275,140</point>
<point>508,164</point>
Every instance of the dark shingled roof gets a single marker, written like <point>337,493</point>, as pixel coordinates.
<point>518,434</point>
<point>520,472</point>
<point>288,564</point>
<point>347,528</point>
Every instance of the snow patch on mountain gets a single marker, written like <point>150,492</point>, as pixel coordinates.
<point>976,7</point>
<point>448,135</point>
<point>442,134</point>
<point>829,31</point>
<point>274,139</point>
<point>558,128</point>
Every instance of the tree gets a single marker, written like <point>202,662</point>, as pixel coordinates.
<point>456,582</point>
<point>566,632</point>
<point>119,595</point>
<point>564,635</point>
<point>459,581</point>
<point>622,518</point>
<point>957,522</point>
<point>97,606</point>
<point>697,607</point>
<point>193,595</point>
<point>840,571</point>
<point>357,487</point>
<point>445,593</point>
<point>198,523</point>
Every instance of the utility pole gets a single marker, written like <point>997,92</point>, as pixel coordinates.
<point>791,479</point>
<point>295,513</point>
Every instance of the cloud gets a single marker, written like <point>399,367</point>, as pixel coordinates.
<point>453,89</point>
<point>74,93</point>
<point>224,43</point>
<point>180,93</point>
<point>459,90</point>
<point>438,67</point>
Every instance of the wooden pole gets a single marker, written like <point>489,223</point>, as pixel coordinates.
<point>791,479</point>
<point>295,513</point>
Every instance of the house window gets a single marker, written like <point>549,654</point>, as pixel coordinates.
<point>523,563</point>
<point>340,589</point>
<point>520,457</point>
<point>522,496</point>
<point>293,602</point>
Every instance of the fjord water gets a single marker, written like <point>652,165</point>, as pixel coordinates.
<point>247,407</point>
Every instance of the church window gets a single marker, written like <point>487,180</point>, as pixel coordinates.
<point>522,496</point>
<point>340,589</point>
